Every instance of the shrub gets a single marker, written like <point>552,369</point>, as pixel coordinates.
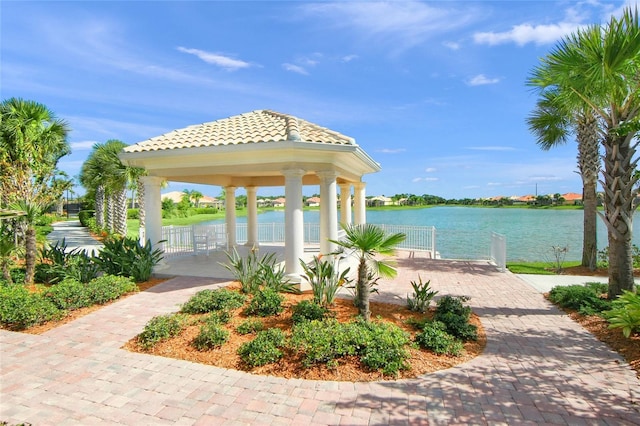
<point>222,316</point>
<point>108,287</point>
<point>213,300</point>
<point>434,337</point>
<point>385,347</point>
<point>20,309</point>
<point>625,313</point>
<point>325,279</point>
<point>254,273</point>
<point>85,215</point>
<point>265,302</point>
<point>57,263</point>
<point>133,213</point>
<point>264,349</point>
<point>211,335</point>
<point>583,298</point>
<point>308,311</point>
<point>422,296</point>
<point>126,257</point>
<point>69,294</point>
<point>251,325</point>
<point>159,328</point>
<point>455,316</point>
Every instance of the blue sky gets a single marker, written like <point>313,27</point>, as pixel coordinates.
<point>433,91</point>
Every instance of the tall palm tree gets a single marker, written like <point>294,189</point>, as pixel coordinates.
<point>367,241</point>
<point>32,141</point>
<point>599,68</point>
<point>92,178</point>
<point>552,123</point>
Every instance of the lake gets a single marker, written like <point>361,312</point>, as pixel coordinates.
<point>464,232</point>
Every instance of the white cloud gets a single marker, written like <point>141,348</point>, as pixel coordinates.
<point>430,169</point>
<point>481,80</point>
<point>391,151</point>
<point>452,45</point>
<point>492,148</point>
<point>82,145</point>
<point>527,33</point>
<point>349,58</point>
<point>399,24</point>
<point>225,62</point>
<point>425,179</point>
<point>295,68</point>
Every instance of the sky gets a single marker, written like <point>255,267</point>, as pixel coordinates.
<point>434,91</point>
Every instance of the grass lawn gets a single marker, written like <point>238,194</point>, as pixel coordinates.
<point>541,268</point>
<point>133,225</point>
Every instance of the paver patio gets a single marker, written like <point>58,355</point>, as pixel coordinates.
<point>539,367</point>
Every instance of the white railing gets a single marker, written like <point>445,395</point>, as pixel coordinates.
<point>184,240</point>
<point>419,238</point>
<point>499,251</point>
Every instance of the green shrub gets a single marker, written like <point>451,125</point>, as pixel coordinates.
<point>251,325</point>
<point>264,349</point>
<point>127,258</point>
<point>325,279</point>
<point>385,348</point>
<point>213,300</point>
<point>204,210</point>
<point>20,309</point>
<point>455,316</point>
<point>222,316</point>
<point>434,337</point>
<point>159,328</point>
<point>422,296</point>
<point>212,335</point>
<point>69,294</point>
<point>583,298</point>
<point>85,215</point>
<point>307,310</point>
<point>133,213</point>
<point>625,313</point>
<point>265,302</point>
<point>255,273</point>
<point>108,287</point>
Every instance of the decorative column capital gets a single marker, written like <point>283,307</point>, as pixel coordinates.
<point>359,185</point>
<point>330,175</point>
<point>152,180</point>
<point>293,173</point>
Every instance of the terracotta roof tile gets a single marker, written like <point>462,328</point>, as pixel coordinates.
<point>260,126</point>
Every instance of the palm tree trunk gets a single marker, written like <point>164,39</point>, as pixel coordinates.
<point>141,210</point>
<point>618,216</point>
<point>120,212</point>
<point>589,166</point>
<point>363,291</point>
<point>100,207</point>
<point>110,208</point>
<point>30,255</point>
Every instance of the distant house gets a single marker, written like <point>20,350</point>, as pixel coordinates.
<point>572,198</point>
<point>525,199</point>
<point>175,196</point>
<point>379,201</point>
<point>313,201</point>
<point>279,202</point>
<point>207,201</point>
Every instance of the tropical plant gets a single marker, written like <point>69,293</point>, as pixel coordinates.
<point>8,249</point>
<point>598,69</point>
<point>422,295</point>
<point>213,300</point>
<point>325,279</point>
<point>32,141</point>
<point>552,122</point>
<point>366,241</point>
<point>160,328</point>
<point>255,273</point>
<point>127,257</point>
<point>625,313</point>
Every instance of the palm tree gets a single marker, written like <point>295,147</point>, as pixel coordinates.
<point>599,68</point>
<point>92,178</point>
<point>196,196</point>
<point>32,141</point>
<point>367,241</point>
<point>551,122</point>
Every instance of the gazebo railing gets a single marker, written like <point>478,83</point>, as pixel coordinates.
<point>186,240</point>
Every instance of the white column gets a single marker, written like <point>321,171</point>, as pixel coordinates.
<point>252,216</point>
<point>359,203</point>
<point>345,203</point>
<point>153,210</point>
<point>328,211</point>
<point>230,214</point>
<point>293,223</point>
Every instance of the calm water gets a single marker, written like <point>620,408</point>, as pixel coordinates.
<point>464,233</point>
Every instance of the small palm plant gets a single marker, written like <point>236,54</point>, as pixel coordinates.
<point>366,241</point>
<point>8,250</point>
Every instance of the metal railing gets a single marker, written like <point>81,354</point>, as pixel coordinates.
<point>418,238</point>
<point>499,251</point>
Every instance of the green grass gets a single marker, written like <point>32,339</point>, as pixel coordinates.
<point>133,225</point>
<point>540,268</point>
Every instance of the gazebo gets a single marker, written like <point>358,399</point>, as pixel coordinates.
<point>259,149</point>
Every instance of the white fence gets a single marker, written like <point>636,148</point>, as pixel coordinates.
<point>499,251</point>
<point>185,240</point>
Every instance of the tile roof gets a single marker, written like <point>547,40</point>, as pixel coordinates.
<point>253,127</point>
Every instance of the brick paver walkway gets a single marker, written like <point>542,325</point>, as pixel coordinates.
<point>539,367</point>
